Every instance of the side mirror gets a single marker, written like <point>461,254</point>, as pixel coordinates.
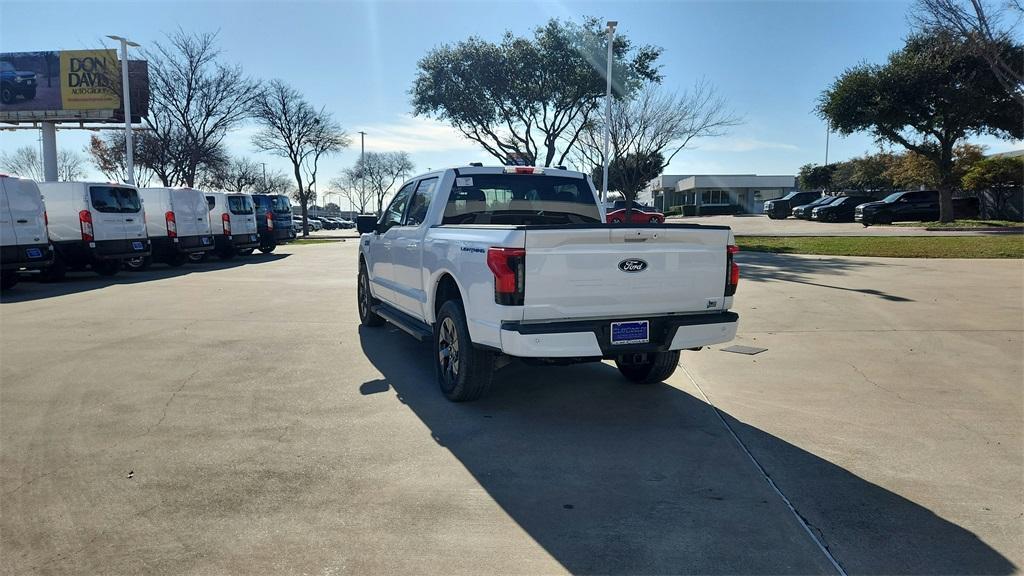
<point>366,223</point>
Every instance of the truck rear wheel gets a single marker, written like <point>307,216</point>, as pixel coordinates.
<point>268,248</point>
<point>138,263</point>
<point>367,317</point>
<point>648,368</point>
<point>464,372</point>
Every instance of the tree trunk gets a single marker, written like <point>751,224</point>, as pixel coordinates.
<point>946,183</point>
<point>304,203</point>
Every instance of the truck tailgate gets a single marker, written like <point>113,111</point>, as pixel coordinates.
<point>618,272</point>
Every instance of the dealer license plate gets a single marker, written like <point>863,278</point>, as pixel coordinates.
<point>253,238</point>
<point>33,253</point>
<point>633,332</point>
<point>136,245</point>
<point>205,240</point>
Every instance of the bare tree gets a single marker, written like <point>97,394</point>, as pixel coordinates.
<point>984,27</point>
<point>277,182</point>
<point>292,128</point>
<point>25,161</point>
<point>648,131</point>
<point>380,171</point>
<point>350,187</point>
<point>236,175</point>
<point>194,101</point>
<point>108,156</point>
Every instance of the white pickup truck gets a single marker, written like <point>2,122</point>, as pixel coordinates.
<point>493,262</point>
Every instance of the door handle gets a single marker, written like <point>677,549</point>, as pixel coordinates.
<point>22,221</point>
<point>129,220</point>
<point>413,244</point>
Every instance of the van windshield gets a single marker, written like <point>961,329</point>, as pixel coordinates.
<point>520,199</point>
<point>240,204</point>
<point>114,199</point>
<point>281,205</point>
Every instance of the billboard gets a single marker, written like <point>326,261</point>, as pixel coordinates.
<point>75,85</point>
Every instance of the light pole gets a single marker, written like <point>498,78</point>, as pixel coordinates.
<point>362,164</point>
<point>607,111</point>
<point>129,146</point>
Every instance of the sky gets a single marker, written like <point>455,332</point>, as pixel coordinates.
<point>769,59</point>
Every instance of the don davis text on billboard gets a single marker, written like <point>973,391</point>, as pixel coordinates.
<point>68,85</point>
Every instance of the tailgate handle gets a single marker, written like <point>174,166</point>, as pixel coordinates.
<point>22,221</point>
<point>129,220</point>
<point>638,235</point>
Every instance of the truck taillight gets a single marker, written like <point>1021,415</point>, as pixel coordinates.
<point>46,219</point>
<point>270,220</point>
<point>509,268</point>
<point>732,270</point>
<point>172,225</point>
<point>226,222</point>
<point>85,221</point>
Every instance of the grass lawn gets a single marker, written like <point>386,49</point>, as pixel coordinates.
<point>964,224</point>
<point>891,246</point>
<point>301,241</point>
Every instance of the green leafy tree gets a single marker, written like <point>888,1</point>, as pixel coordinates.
<point>630,173</point>
<point>929,96</point>
<point>529,96</point>
<point>1001,177</point>
<point>815,177</point>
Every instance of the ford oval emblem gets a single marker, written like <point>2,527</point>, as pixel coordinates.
<point>633,265</point>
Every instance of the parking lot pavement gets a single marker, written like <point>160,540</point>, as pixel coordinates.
<point>236,419</point>
<point>761,225</point>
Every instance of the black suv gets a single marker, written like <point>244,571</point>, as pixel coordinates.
<point>804,211</point>
<point>781,208</point>
<point>922,205</point>
<point>14,83</point>
<point>840,210</point>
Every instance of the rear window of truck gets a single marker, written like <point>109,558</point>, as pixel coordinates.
<point>520,199</point>
<point>240,204</point>
<point>114,199</point>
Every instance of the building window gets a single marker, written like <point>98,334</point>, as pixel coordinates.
<point>714,197</point>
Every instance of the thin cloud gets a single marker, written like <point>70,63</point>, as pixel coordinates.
<point>414,135</point>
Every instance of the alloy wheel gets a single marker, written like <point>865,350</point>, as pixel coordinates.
<point>448,351</point>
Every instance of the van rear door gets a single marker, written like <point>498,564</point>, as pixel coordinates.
<point>242,213</point>
<point>609,272</point>
<point>108,214</point>
<point>25,207</point>
<point>190,212</point>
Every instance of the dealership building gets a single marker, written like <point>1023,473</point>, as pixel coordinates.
<point>715,193</point>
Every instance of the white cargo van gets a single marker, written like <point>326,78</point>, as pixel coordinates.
<point>233,220</point>
<point>97,224</point>
<point>23,241</point>
<point>178,222</point>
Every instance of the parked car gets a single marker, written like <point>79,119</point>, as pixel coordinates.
<point>24,244</point>
<point>94,224</point>
<point>546,279</point>
<point>328,223</point>
<point>839,210</point>
<point>273,220</point>
<point>14,83</point>
<point>804,211</point>
<point>919,205</point>
<point>178,223</point>
<point>347,224</point>
<point>315,223</point>
<point>639,214</point>
<point>297,224</point>
<point>782,208</point>
<point>233,223</point>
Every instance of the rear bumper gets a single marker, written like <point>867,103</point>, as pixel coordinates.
<point>240,241</point>
<point>183,244</point>
<point>25,256</point>
<point>119,249</point>
<point>591,338</point>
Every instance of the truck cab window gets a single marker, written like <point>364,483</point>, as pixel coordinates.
<point>421,202</point>
<point>393,215</point>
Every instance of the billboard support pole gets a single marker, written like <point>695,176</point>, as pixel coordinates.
<point>49,130</point>
<point>129,153</point>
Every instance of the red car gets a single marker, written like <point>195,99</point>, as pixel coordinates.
<point>639,214</point>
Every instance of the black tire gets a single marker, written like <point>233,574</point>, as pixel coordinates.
<point>106,267</point>
<point>365,300</point>
<point>56,271</point>
<point>654,367</point>
<point>268,248</point>
<point>6,95</point>
<point>197,257</point>
<point>654,220</point>
<point>8,278</point>
<point>176,259</point>
<point>138,264</point>
<point>616,221</point>
<point>463,371</point>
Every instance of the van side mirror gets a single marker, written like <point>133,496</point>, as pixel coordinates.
<point>366,223</point>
